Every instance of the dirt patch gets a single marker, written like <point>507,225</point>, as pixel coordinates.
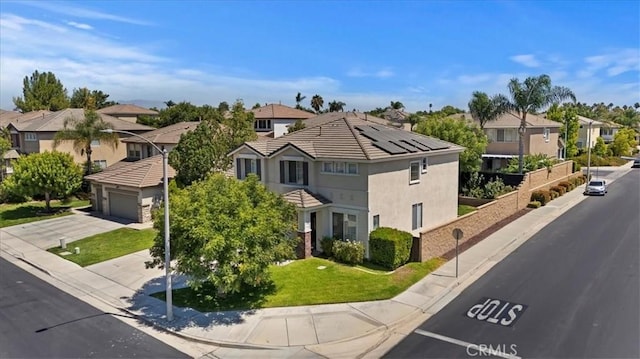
<point>484,234</point>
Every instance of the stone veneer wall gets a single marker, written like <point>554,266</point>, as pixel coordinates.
<point>438,241</point>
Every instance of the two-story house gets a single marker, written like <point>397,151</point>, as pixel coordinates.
<point>273,120</point>
<point>132,188</point>
<point>590,130</point>
<point>127,112</point>
<point>347,176</point>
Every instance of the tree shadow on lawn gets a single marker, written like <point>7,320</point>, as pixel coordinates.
<point>196,308</point>
<point>32,211</point>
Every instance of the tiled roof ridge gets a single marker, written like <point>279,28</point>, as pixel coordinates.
<point>356,136</point>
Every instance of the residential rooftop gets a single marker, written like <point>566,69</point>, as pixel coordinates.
<point>165,135</point>
<point>146,172</point>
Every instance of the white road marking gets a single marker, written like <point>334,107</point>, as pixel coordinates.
<point>462,343</point>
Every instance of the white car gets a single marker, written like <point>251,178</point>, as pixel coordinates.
<point>598,187</point>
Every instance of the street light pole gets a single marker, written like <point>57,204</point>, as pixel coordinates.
<point>167,242</point>
<point>566,131</point>
<point>589,154</point>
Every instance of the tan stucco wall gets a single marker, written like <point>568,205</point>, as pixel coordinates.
<point>502,148</point>
<point>538,144</point>
<point>106,188</point>
<point>102,152</point>
<point>391,196</point>
<point>583,134</point>
<point>439,241</point>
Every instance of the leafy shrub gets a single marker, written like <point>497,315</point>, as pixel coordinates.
<point>576,167</point>
<point>349,252</point>
<point>496,188</point>
<point>530,163</point>
<point>10,193</point>
<point>327,246</point>
<point>491,190</point>
<point>554,194</point>
<point>560,189</point>
<point>390,247</point>
<point>534,204</point>
<point>599,160</point>
<point>543,197</point>
<point>567,185</point>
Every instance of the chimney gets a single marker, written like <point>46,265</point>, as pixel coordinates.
<point>366,118</point>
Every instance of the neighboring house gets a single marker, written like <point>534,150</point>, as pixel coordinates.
<point>347,176</point>
<point>36,135</point>
<point>164,137</point>
<point>132,188</point>
<point>129,190</point>
<point>397,118</point>
<point>602,129</point>
<point>274,119</point>
<point>542,136</point>
<point>7,163</point>
<point>127,112</point>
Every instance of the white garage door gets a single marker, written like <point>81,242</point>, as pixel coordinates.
<point>123,205</point>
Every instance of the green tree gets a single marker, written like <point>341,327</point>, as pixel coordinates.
<point>42,91</point>
<point>52,174</point>
<point>204,150</point>
<point>5,145</point>
<point>458,131</point>
<point>257,105</point>
<point>413,120</point>
<point>297,126</point>
<point>83,131</point>
<point>317,102</point>
<point>567,115</point>
<point>299,99</point>
<point>530,96</point>
<point>396,105</point>
<point>484,108</point>
<point>185,112</point>
<point>227,232</point>
<point>624,142</point>
<point>82,97</point>
<point>169,103</point>
<point>600,148</point>
<point>223,107</point>
<point>336,106</point>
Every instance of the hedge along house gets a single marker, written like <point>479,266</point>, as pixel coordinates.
<point>348,176</point>
<point>131,188</point>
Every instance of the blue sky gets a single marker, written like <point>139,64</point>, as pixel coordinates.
<point>364,53</point>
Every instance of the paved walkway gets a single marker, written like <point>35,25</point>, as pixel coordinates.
<point>336,330</point>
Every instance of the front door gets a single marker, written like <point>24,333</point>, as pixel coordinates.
<point>313,232</point>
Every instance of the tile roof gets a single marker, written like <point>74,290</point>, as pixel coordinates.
<point>53,122</point>
<point>585,121</point>
<point>303,198</point>
<point>11,154</point>
<point>140,174</point>
<point>165,135</point>
<point>7,117</point>
<point>274,111</point>
<point>127,109</point>
<point>512,120</point>
<point>332,116</point>
<point>346,137</point>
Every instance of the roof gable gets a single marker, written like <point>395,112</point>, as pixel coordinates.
<point>165,135</point>
<point>276,111</point>
<point>139,174</point>
<point>53,122</point>
<point>127,109</point>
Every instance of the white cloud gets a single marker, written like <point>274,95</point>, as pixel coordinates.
<point>613,63</point>
<point>358,72</point>
<point>527,60</point>
<point>79,25</point>
<point>76,11</point>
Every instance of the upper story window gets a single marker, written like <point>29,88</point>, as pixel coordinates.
<point>262,125</point>
<point>414,172</point>
<point>30,136</point>
<point>247,166</point>
<point>424,164</point>
<point>546,134</point>
<point>294,172</point>
<point>350,168</point>
<point>134,151</point>
<point>100,163</point>
<point>95,143</point>
<point>503,135</point>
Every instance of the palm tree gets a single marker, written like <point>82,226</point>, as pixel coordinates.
<point>299,98</point>
<point>397,105</point>
<point>83,132</point>
<point>530,96</point>
<point>317,102</point>
<point>336,106</point>
<point>484,108</point>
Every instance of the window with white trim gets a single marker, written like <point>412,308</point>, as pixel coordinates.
<point>95,143</point>
<point>262,125</point>
<point>350,168</point>
<point>376,221</point>
<point>416,216</point>
<point>503,135</point>
<point>134,151</point>
<point>247,166</point>
<point>546,134</point>
<point>100,163</point>
<point>414,172</point>
<point>425,164</point>
<point>294,172</point>
<point>30,136</point>
<point>344,226</point>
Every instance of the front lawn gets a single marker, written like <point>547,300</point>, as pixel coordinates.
<point>464,209</point>
<point>303,282</point>
<point>109,245</point>
<point>13,214</point>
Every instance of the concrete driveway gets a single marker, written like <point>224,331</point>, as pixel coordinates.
<point>47,233</point>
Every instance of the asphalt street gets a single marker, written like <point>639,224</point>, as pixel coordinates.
<point>38,320</point>
<point>571,291</point>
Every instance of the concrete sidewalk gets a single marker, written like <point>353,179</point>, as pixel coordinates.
<point>336,330</point>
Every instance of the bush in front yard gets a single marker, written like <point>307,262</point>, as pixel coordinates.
<point>567,185</point>
<point>541,196</point>
<point>560,189</point>
<point>327,246</point>
<point>554,194</point>
<point>534,204</point>
<point>390,247</point>
<point>349,252</point>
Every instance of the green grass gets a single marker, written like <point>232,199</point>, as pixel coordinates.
<point>302,283</point>
<point>109,245</point>
<point>464,209</point>
<point>14,214</point>
<point>599,160</point>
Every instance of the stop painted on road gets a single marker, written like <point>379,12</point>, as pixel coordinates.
<point>496,311</point>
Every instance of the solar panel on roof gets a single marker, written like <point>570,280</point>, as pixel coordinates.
<point>432,144</point>
<point>417,145</point>
<point>389,148</point>
<point>404,145</point>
